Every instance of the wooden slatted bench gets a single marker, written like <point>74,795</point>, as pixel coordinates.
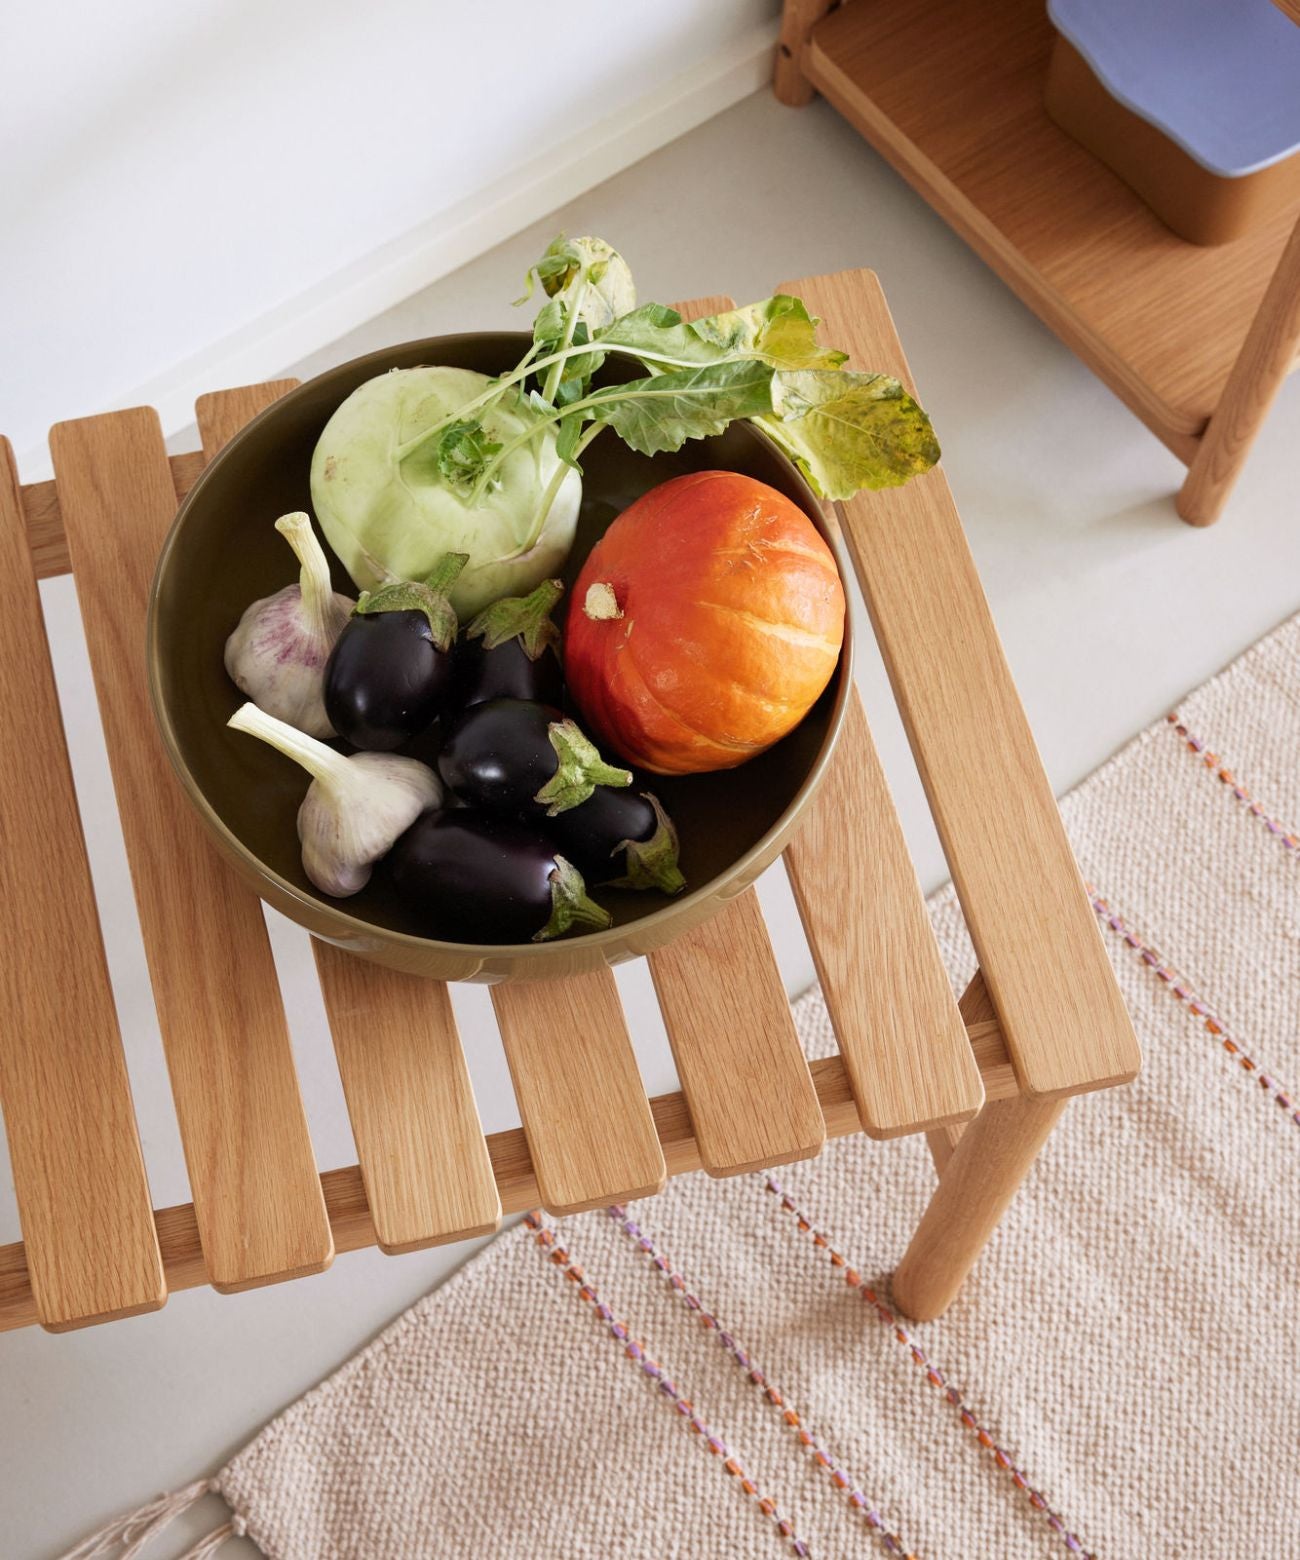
<point>985,1081</point>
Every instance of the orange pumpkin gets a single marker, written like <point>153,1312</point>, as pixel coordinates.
<point>704,625</point>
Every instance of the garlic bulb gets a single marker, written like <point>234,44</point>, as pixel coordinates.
<point>279,648</point>
<point>355,808</point>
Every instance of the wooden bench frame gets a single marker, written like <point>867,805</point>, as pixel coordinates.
<point>1042,1021</point>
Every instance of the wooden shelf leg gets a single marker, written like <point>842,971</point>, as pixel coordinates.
<point>982,1173</point>
<point>798,18</point>
<point>1266,357</point>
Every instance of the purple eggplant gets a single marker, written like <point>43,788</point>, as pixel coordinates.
<point>622,838</point>
<point>513,756</point>
<point>469,876</point>
<point>510,651</point>
<point>391,667</point>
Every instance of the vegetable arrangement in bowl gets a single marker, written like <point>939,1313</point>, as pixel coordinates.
<point>504,778</point>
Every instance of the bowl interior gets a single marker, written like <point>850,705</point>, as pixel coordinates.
<point>224,553</point>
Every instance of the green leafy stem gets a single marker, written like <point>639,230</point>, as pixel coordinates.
<point>463,415</point>
<point>845,430</point>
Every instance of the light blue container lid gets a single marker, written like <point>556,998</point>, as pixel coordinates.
<point>1219,77</point>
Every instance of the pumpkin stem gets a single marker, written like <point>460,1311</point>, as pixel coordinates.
<point>601,604</point>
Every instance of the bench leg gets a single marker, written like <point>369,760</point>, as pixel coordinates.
<point>798,18</point>
<point>978,1181</point>
<point>942,1141</point>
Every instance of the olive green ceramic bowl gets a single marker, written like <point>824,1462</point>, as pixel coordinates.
<point>223,552</point>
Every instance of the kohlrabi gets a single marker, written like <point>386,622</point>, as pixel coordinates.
<point>391,514</point>
<point>422,462</point>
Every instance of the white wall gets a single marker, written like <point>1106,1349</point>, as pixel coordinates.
<point>194,194</point>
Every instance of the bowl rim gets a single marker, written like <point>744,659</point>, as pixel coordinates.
<point>352,928</point>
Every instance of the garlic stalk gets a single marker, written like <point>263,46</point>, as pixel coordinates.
<point>279,648</point>
<point>355,808</point>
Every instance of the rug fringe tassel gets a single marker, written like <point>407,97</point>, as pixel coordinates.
<point>126,1536</point>
<point>207,1547</point>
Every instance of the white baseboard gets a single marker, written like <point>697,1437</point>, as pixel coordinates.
<point>302,325</point>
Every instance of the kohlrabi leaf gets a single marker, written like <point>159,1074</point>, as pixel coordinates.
<point>576,373</point>
<point>552,266</point>
<point>560,263</point>
<point>664,410</point>
<point>570,390</point>
<point>778,330</point>
<point>660,333</point>
<point>568,435</point>
<point>586,273</point>
<point>571,378</point>
<point>848,431</point>
<point>463,450</point>
<point>548,327</point>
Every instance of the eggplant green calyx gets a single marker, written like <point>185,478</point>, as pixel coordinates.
<point>428,596</point>
<point>525,618</point>
<point>652,863</point>
<point>571,905</point>
<point>579,771</point>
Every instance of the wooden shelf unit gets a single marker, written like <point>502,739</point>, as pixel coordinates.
<point>950,92</point>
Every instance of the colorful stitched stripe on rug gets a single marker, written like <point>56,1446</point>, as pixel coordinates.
<point>933,1374</point>
<point>1235,788</point>
<point>635,1351</point>
<point>772,1395</point>
<point>1178,987</point>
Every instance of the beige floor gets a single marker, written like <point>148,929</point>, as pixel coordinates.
<point>1110,609</point>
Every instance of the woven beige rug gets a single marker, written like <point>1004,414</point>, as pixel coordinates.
<point>716,1372</point>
